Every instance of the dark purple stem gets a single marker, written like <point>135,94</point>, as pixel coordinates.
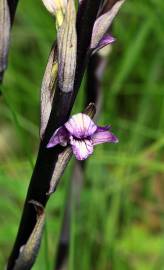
<point>62,105</point>
<point>12,6</point>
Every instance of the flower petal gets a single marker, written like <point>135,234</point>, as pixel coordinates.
<point>81,126</point>
<point>102,135</point>
<point>59,137</point>
<point>81,148</point>
<point>105,128</point>
<point>106,40</point>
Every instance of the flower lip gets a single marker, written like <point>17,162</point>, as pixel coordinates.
<point>81,148</point>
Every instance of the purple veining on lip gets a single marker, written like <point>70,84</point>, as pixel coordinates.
<point>82,134</point>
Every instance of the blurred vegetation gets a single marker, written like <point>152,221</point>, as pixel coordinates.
<point>120,221</point>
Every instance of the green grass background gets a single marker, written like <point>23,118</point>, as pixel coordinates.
<point>120,223</point>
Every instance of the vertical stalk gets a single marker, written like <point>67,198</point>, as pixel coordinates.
<point>47,158</point>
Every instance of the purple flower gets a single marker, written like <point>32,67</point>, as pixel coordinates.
<point>82,134</point>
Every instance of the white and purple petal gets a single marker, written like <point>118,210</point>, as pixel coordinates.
<point>60,136</point>
<point>81,148</point>
<point>106,40</point>
<point>102,135</point>
<point>80,126</point>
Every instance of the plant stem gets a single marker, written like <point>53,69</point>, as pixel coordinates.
<point>47,158</point>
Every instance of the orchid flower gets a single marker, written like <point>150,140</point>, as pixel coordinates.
<point>82,134</point>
